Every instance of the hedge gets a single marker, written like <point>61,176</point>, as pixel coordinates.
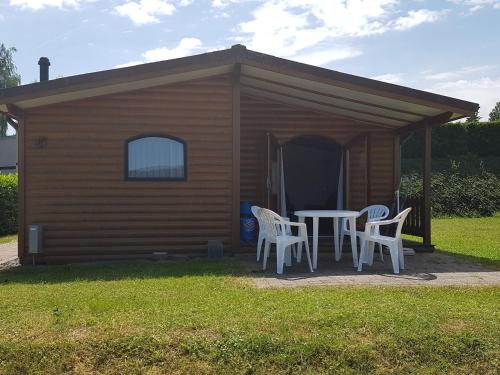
<point>458,139</point>
<point>8,204</point>
<point>457,194</point>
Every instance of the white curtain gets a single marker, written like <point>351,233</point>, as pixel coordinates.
<point>283,211</point>
<point>155,157</point>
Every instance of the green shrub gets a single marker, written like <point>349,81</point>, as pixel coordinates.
<point>8,204</point>
<point>484,138</point>
<point>457,194</point>
<point>457,139</point>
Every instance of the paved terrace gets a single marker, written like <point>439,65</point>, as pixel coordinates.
<point>421,269</point>
<point>8,254</point>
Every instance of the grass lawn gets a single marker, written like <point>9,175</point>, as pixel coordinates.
<point>476,239</point>
<point>8,238</point>
<point>205,317</point>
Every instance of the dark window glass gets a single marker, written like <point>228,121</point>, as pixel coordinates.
<point>156,158</point>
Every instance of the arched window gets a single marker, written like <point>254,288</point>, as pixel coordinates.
<point>155,158</point>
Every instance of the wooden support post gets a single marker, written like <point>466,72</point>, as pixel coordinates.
<point>368,167</point>
<point>236,98</point>
<point>427,186</point>
<point>397,162</point>
<point>347,180</point>
<point>22,251</point>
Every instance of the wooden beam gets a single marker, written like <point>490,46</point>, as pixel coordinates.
<point>320,98</point>
<point>14,111</point>
<point>346,99</point>
<point>329,108</point>
<point>356,83</point>
<point>427,185</point>
<point>368,168</point>
<point>331,115</point>
<point>347,181</point>
<point>396,161</point>
<point>431,121</point>
<point>236,106</point>
<point>21,189</point>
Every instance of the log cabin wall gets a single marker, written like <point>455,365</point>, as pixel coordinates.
<point>381,151</point>
<point>74,178</point>
<point>259,116</point>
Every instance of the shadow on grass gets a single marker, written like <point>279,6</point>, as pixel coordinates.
<point>120,270</point>
<point>487,262</point>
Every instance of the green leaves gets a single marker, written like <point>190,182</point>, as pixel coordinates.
<point>455,193</point>
<point>8,204</point>
<point>8,78</point>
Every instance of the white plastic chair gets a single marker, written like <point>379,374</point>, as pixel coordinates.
<point>262,234</point>
<point>395,244</point>
<point>275,228</point>
<point>374,212</point>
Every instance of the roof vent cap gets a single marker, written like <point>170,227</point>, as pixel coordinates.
<point>44,63</point>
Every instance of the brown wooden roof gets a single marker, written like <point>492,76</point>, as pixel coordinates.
<point>276,79</point>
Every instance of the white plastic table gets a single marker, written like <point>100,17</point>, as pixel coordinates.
<point>335,215</point>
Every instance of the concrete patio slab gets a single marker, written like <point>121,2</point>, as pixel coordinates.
<point>8,254</point>
<point>421,269</point>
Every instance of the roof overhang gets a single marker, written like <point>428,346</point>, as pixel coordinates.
<point>361,99</point>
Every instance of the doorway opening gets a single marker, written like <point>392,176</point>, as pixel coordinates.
<point>312,166</point>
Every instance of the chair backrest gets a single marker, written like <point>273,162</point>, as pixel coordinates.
<point>255,212</point>
<point>270,220</point>
<point>375,212</point>
<point>401,217</point>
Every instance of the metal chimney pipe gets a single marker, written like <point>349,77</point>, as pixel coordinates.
<point>44,68</point>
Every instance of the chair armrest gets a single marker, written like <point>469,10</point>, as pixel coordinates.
<point>381,222</point>
<point>294,224</point>
<point>375,225</point>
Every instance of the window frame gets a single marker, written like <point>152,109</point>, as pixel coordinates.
<point>155,135</point>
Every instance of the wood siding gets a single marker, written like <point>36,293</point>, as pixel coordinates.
<point>75,184</point>
<point>259,116</point>
<point>358,174</point>
<point>381,151</point>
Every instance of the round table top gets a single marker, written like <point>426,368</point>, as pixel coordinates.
<point>326,213</point>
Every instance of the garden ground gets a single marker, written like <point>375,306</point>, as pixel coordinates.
<point>207,317</point>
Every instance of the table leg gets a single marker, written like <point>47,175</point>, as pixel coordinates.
<point>336,239</point>
<point>302,219</point>
<point>354,245</point>
<point>315,242</point>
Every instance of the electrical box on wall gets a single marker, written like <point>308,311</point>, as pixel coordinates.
<point>35,239</point>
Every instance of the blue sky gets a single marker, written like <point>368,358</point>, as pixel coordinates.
<point>450,47</point>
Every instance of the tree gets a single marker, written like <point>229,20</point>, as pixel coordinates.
<point>8,78</point>
<point>474,118</point>
<point>495,113</point>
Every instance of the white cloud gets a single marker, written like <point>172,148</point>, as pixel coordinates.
<point>40,4</point>
<point>130,63</point>
<point>485,91</point>
<point>289,28</point>
<point>477,4</point>
<point>459,73</point>
<point>186,47</point>
<point>396,78</point>
<point>417,17</point>
<point>224,3</point>
<point>142,12</point>
<point>326,56</point>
